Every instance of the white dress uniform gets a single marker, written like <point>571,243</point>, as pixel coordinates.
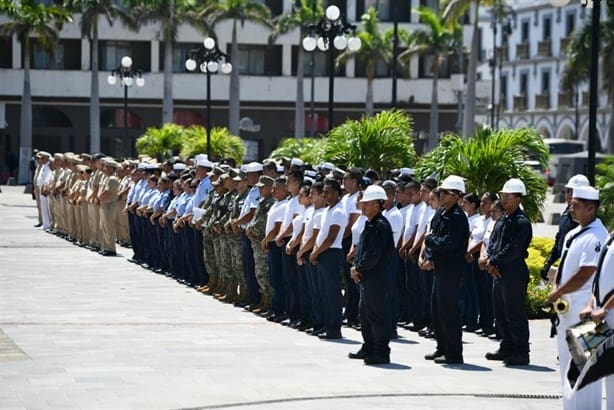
<point>581,248</point>
<point>44,176</point>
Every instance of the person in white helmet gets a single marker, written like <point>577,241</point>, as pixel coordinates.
<point>566,223</point>
<point>371,271</point>
<point>507,251</point>
<point>574,280</point>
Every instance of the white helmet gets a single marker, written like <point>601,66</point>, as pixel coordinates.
<point>514,186</point>
<point>453,182</point>
<point>374,193</point>
<point>577,181</point>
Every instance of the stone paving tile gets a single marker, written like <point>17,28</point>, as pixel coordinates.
<point>102,333</point>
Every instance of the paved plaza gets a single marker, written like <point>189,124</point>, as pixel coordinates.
<point>82,331</point>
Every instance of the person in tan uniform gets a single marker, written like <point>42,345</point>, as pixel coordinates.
<point>36,190</point>
<point>82,204</point>
<point>107,197</point>
<point>124,174</point>
<point>93,204</point>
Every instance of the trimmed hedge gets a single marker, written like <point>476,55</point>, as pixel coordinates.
<point>537,291</point>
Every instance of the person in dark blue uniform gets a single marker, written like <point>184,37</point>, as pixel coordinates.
<point>507,252</point>
<point>444,255</point>
<point>566,224</point>
<point>371,271</point>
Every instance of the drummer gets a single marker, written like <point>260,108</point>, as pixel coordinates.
<point>579,260</point>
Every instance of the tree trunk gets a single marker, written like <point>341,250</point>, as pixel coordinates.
<point>94,91</point>
<point>25,123</point>
<point>299,114</point>
<point>234,113</point>
<point>610,140</point>
<point>434,117</point>
<point>369,102</point>
<point>167,103</point>
<point>469,114</point>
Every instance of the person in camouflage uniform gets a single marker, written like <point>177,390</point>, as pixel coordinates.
<point>229,294</point>
<point>234,233</point>
<point>255,232</point>
<point>217,211</point>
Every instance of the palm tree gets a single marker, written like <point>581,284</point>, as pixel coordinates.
<point>487,159</point>
<point>307,149</point>
<point>375,47</point>
<point>300,16</point>
<point>237,11</point>
<point>163,142</point>
<point>439,42</point>
<point>91,11</point>
<point>30,18</point>
<point>170,14</point>
<point>381,142</point>
<point>223,143</point>
<point>577,69</point>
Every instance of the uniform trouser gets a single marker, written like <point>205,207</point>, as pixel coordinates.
<point>134,236</point>
<point>219,262</point>
<point>186,245</point>
<point>37,195</point>
<point>261,265</point>
<point>329,263</point>
<point>94,217</point>
<point>511,313</point>
<point>160,254</point>
<point>209,255</point>
<point>416,293</point>
<point>393,300</point>
<point>375,316</point>
<point>45,212</point>
<point>107,219</point>
<point>303,293</point>
<point>199,261</point>
<point>484,285</point>
<point>170,247</point>
<point>226,248</point>
<point>52,205</point>
<point>314,284</point>
<point>353,292</point>
<point>291,283</point>
<point>470,295</point>
<point>402,289</point>
<point>146,238</point>
<point>248,255</point>
<point>70,214</point>
<point>589,397</point>
<point>85,227</point>
<point>446,313</point>
<point>237,260</point>
<point>428,280</point>
<point>276,278</point>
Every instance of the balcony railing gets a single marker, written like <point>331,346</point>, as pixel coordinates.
<point>502,53</point>
<point>565,100</point>
<point>542,101</point>
<point>522,50</point>
<point>544,48</point>
<point>520,102</point>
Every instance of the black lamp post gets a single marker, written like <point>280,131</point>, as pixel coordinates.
<point>327,35</point>
<point>128,76</point>
<point>503,15</point>
<point>208,57</point>
<point>593,86</point>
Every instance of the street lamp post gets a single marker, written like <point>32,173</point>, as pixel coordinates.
<point>208,57</point>
<point>331,30</point>
<point>594,73</point>
<point>128,76</point>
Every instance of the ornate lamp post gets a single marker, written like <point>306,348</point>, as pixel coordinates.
<point>128,76</point>
<point>331,30</point>
<point>594,74</point>
<point>208,57</point>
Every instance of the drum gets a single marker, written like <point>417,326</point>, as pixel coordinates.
<point>583,339</point>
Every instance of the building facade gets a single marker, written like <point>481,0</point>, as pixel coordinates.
<point>268,85</point>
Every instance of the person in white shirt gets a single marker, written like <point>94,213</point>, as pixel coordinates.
<point>42,181</point>
<point>312,224</point>
<point>327,255</point>
<point>403,198</point>
<point>352,180</point>
<point>395,218</point>
<point>273,225</point>
<point>579,260</point>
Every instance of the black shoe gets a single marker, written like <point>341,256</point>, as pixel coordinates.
<point>358,355</point>
<point>487,331</point>
<point>303,327</point>
<point>434,355</point>
<point>108,253</point>
<point>279,319</point>
<point>285,322</point>
<point>415,328</point>
<point>498,355</point>
<point>444,360</point>
<point>295,323</point>
<point>38,225</point>
<point>330,336</point>
<point>317,331</point>
<point>516,360</point>
<point>374,360</point>
<point>423,332</point>
<point>494,336</point>
<point>470,328</point>
<point>430,335</point>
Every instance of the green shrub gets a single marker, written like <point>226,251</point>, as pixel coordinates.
<point>536,290</point>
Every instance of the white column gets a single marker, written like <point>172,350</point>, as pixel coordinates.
<point>286,58</point>
<point>350,68</point>
<point>155,56</point>
<point>351,10</point>
<point>16,52</point>
<point>85,55</point>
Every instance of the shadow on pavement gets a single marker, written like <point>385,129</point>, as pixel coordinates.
<point>536,368</point>
<point>403,341</point>
<point>343,341</point>
<point>392,366</point>
<point>469,367</point>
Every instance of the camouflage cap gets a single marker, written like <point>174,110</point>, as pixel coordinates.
<point>265,181</point>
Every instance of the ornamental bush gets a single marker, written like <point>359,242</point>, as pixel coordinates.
<point>537,291</point>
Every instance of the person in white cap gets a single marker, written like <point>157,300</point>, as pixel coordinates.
<point>444,254</point>
<point>371,271</point>
<point>574,279</point>
<point>566,223</point>
<point>507,252</point>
